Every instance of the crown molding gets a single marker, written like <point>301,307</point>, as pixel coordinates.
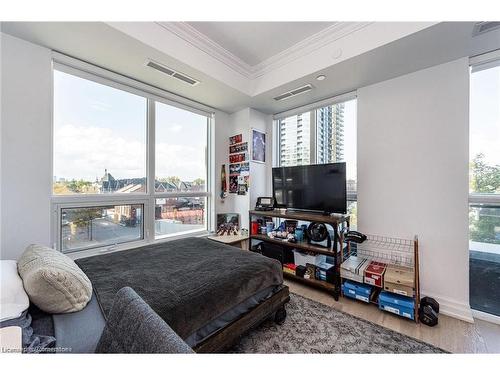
<point>306,46</point>
<point>199,40</point>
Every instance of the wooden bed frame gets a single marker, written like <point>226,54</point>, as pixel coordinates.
<point>273,307</point>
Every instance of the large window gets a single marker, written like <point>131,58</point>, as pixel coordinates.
<point>181,150</point>
<point>295,140</point>
<point>181,166</point>
<point>86,227</point>
<point>121,174</point>
<point>323,135</point>
<point>99,138</point>
<point>484,187</point>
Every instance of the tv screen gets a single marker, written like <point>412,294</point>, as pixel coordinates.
<point>320,187</point>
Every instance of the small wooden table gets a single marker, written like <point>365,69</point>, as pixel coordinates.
<point>237,240</point>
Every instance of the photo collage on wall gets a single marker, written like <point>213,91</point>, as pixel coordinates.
<point>239,167</point>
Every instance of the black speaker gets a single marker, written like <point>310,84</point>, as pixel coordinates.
<point>428,311</point>
<point>428,316</point>
<point>429,301</point>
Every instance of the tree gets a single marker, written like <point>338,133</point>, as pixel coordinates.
<point>83,218</point>
<point>199,182</point>
<point>172,180</point>
<point>484,178</point>
<point>61,188</point>
<point>483,220</point>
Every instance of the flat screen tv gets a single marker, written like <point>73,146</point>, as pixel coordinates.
<point>319,187</point>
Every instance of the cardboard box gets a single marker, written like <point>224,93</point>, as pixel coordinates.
<point>374,273</point>
<point>396,304</point>
<point>353,268</point>
<point>302,258</point>
<point>399,280</point>
<point>361,292</point>
<point>322,270</point>
<point>289,268</point>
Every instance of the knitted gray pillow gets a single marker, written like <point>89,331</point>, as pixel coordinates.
<point>53,281</point>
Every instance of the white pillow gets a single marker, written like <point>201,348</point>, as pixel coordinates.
<point>53,281</point>
<point>13,298</point>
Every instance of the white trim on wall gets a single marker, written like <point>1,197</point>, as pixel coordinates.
<point>490,318</point>
<point>319,104</point>
<point>451,307</point>
<point>485,61</point>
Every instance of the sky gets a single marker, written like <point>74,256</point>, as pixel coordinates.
<point>485,114</point>
<point>97,127</point>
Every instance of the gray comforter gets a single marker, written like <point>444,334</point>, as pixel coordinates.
<point>187,282</point>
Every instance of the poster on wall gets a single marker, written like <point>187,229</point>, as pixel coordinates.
<point>234,169</point>
<point>233,184</point>
<point>238,158</point>
<point>238,138</point>
<point>245,168</point>
<point>258,146</point>
<point>241,147</point>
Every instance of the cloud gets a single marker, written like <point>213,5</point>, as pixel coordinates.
<point>186,162</point>
<point>83,152</point>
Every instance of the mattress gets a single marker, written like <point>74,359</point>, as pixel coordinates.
<point>196,285</point>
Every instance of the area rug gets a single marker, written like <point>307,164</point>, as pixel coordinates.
<point>312,327</point>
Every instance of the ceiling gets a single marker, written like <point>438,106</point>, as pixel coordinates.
<point>254,42</point>
<point>350,55</point>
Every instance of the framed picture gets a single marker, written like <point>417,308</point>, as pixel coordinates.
<point>228,224</point>
<point>258,146</point>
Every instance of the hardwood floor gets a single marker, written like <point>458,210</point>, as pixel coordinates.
<point>450,334</point>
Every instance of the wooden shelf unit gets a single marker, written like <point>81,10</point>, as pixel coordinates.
<point>312,282</point>
<point>339,223</point>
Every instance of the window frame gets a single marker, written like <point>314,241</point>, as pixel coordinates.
<point>148,198</point>
<point>483,62</point>
<point>477,63</point>
<point>312,109</point>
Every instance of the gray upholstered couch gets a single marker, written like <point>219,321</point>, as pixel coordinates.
<point>133,327</point>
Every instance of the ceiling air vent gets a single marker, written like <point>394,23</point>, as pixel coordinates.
<point>294,92</point>
<point>484,27</point>
<point>172,73</point>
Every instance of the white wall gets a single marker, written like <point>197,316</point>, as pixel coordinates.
<point>413,173</point>
<point>25,145</point>
<point>261,182</point>
<point>242,122</point>
<point>26,130</point>
<point>221,147</point>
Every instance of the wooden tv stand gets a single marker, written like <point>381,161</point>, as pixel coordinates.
<point>340,225</point>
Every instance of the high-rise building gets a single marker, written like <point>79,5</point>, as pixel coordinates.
<point>330,133</point>
<point>295,133</point>
<point>294,140</point>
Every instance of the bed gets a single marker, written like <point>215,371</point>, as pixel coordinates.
<point>209,293</point>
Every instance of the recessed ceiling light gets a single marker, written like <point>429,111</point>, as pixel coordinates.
<point>320,77</point>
